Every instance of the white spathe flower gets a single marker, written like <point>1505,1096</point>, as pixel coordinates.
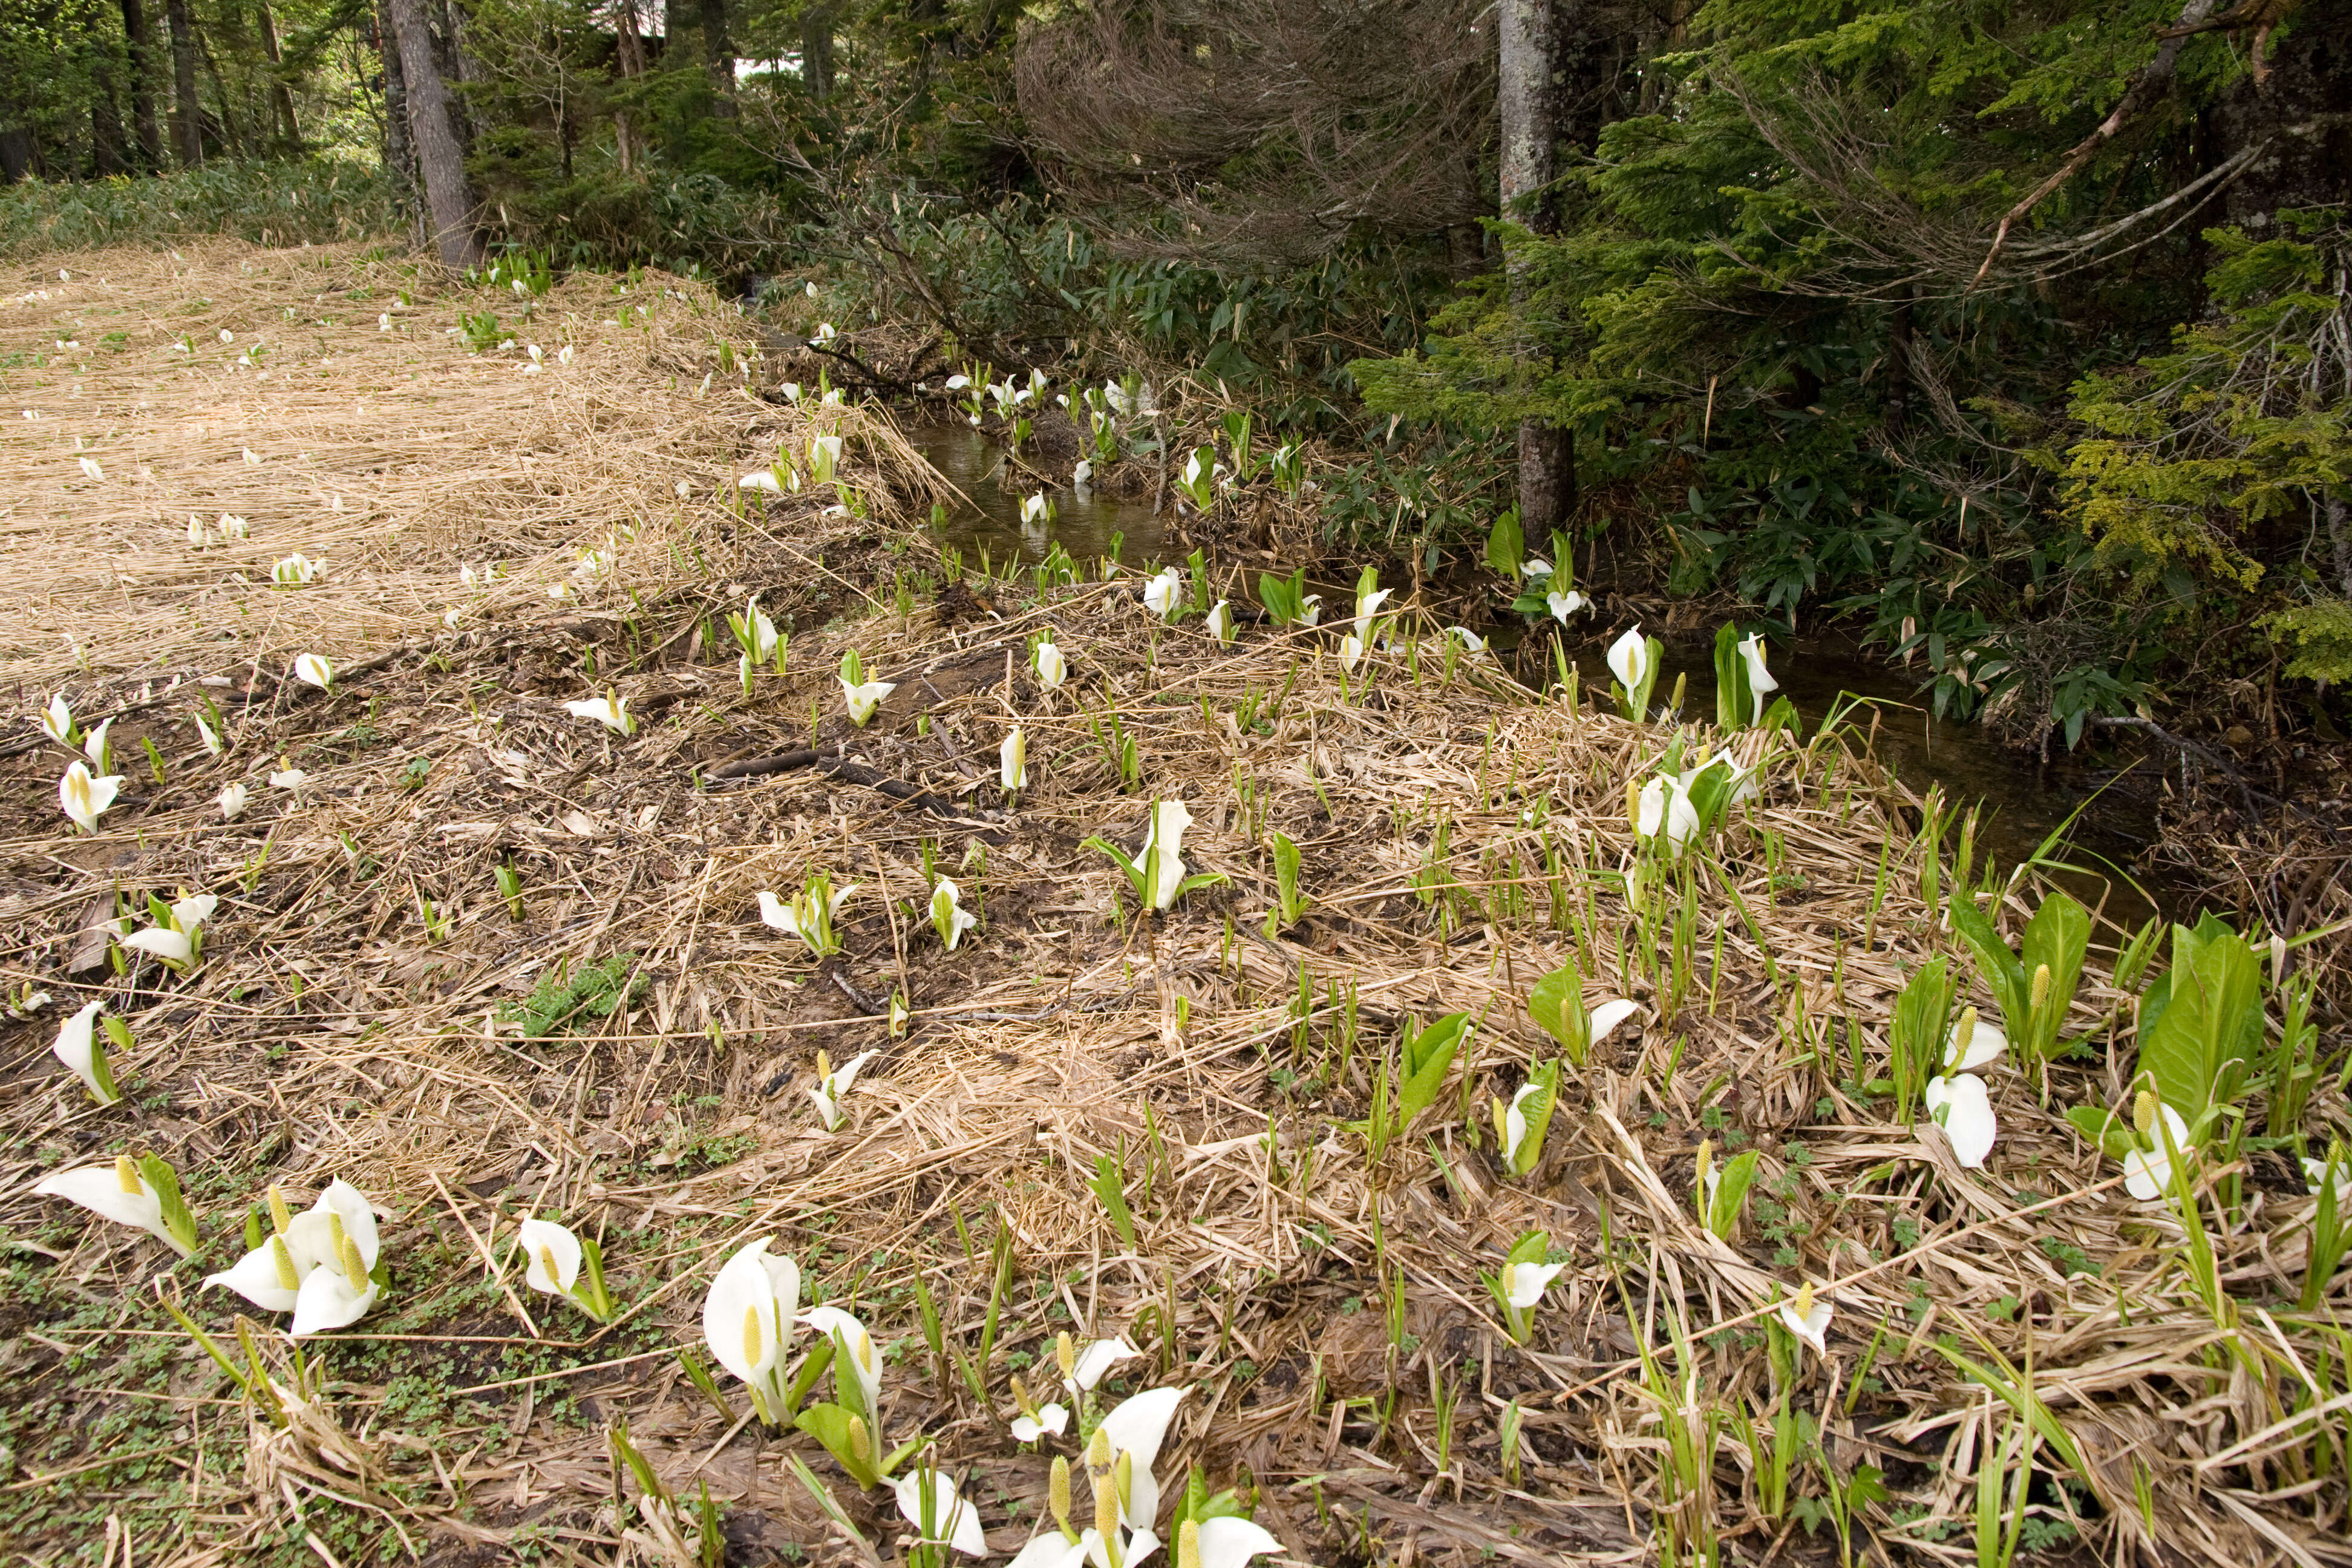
<point>2315,1177</point>
<point>252,459</point>
<point>1564,605</point>
<point>1629,658</point>
<point>1665,808</point>
<point>1163,851</point>
<point>1220,621</point>
<point>833,1084</point>
<point>762,479</point>
<point>331,1298</point>
<point>1366,606</point>
<point>89,467</point>
<point>957,382</point>
<point>193,911</point>
<point>198,536</point>
<point>1759,679</point>
<point>1310,610</point>
<point>535,352</point>
<point>289,778</point>
<point>57,721</point>
<point>1514,1118</point>
<point>1601,1020</point>
<point>1528,1281</point>
<point>272,1274</point>
<point>1081,473</point>
<point>1052,667</point>
<point>85,798</point>
<point>748,1319</point>
<point>863,698</point>
<point>613,713</point>
<point>1093,1363</point>
<point>313,670</point>
<point>2147,1174</point>
<point>1012,761</point>
<point>77,1045</point>
<point>1963,1108</point>
<point>1471,643</point>
<point>1136,1428</point>
<point>554,1253</point>
<point>120,1192</point>
<point>1050,1418</point>
<point>1808,1318</point>
<point>234,527</point>
<point>825,457</point>
<point>1535,566</point>
<point>764,630</point>
<point>1230,1542</point>
<point>93,744</point>
<point>383,321</point>
<point>954,1522</point>
<point>164,942</point>
<point>1351,651</point>
<point>1985,1043</point>
<point>791,391</point>
<point>232,801</point>
<point>211,741</point>
<point>226,336</point>
<point>1036,510</point>
<point>785,916</point>
<point>1163,595</point>
<point>865,1363</point>
<point>949,914</point>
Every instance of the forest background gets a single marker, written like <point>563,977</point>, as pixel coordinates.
<point>2012,335</point>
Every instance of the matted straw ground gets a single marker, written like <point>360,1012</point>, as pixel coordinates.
<point>354,1014</point>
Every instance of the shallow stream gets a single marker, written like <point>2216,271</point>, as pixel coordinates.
<point>2024,801</point>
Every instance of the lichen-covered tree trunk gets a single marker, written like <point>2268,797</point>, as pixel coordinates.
<point>448,200</point>
<point>1528,102</point>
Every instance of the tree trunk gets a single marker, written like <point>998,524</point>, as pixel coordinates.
<point>2303,109</point>
<point>281,97</point>
<point>1528,101</point>
<point>631,51</point>
<point>718,50</point>
<point>187,115</point>
<point>439,153</point>
<point>399,149</point>
<point>109,155</point>
<point>816,52</point>
<point>220,89</point>
<point>16,153</point>
<point>143,90</point>
<point>1898,371</point>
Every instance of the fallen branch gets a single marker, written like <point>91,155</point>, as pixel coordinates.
<point>2152,80</point>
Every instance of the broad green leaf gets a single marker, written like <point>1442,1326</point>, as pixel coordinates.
<point>1723,1210</point>
<point>2102,1127</point>
<point>2003,975</point>
<point>1537,1110</point>
<point>2058,935</point>
<point>831,1425</point>
<point>1557,1005</point>
<point>1428,1056</point>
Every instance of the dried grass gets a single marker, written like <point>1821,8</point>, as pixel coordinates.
<point>328,1034</point>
